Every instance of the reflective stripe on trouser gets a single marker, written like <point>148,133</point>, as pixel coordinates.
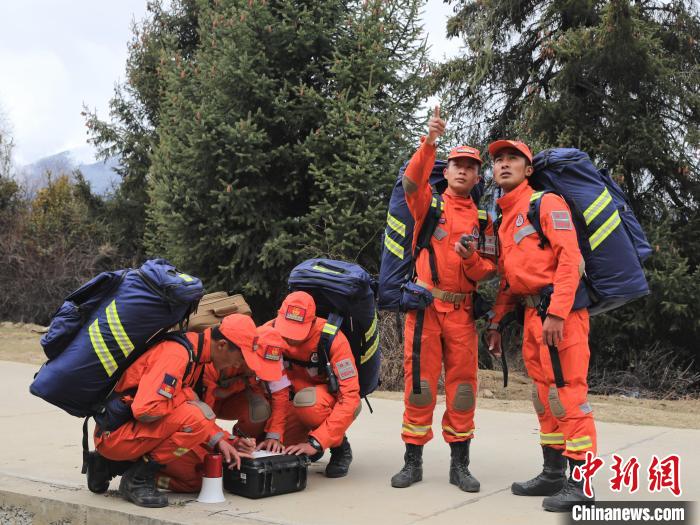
<point>181,475</point>
<point>449,337</point>
<point>302,420</point>
<point>236,408</point>
<point>566,421</point>
<point>165,440</point>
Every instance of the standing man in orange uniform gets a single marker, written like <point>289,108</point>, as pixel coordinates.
<point>259,405</point>
<point>567,429</point>
<point>445,330</point>
<point>318,418</point>
<point>164,422</point>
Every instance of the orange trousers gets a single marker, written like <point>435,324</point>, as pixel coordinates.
<point>237,408</point>
<point>450,338</point>
<point>184,474</point>
<point>566,418</point>
<point>176,441</point>
<point>301,420</point>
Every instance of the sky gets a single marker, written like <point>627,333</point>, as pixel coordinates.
<point>56,55</point>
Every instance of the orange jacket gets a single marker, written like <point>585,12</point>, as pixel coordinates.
<point>460,216</point>
<point>343,363</point>
<point>526,268</point>
<point>157,377</point>
<point>218,386</point>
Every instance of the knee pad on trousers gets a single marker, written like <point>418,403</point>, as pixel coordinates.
<point>258,409</point>
<point>464,398</point>
<point>305,397</point>
<point>536,402</point>
<point>357,411</point>
<point>425,397</point>
<point>555,404</point>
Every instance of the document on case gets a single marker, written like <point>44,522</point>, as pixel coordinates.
<point>265,453</point>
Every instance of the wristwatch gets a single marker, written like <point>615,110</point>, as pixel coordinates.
<point>314,443</point>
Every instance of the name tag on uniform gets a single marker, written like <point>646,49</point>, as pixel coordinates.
<point>346,369</point>
<point>439,233</point>
<point>489,245</point>
<point>561,220</point>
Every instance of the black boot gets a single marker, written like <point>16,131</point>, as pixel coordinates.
<point>549,481</point>
<point>459,467</point>
<point>138,485</point>
<point>412,470</point>
<point>341,457</point>
<point>571,494</point>
<point>101,470</point>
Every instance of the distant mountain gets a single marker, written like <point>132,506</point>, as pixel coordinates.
<point>100,175</point>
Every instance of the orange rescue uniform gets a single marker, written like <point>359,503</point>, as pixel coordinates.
<point>566,418</point>
<point>314,411</point>
<point>258,407</point>
<point>171,425</point>
<point>448,333</point>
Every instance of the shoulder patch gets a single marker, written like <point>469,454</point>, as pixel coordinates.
<point>561,220</point>
<point>346,369</point>
<point>167,387</point>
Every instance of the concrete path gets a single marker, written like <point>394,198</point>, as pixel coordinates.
<point>40,458</point>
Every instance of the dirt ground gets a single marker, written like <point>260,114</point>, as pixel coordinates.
<point>20,343</point>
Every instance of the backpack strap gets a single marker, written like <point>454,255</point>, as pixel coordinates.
<point>533,215</point>
<point>330,330</point>
<point>432,219</point>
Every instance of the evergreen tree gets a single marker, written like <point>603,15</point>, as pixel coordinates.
<point>618,79</point>
<point>278,135</point>
<point>130,133</point>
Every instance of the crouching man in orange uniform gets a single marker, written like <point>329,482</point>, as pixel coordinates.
<point>164,424</point>
<point>258,404</point>
<point>567,429</point>
<point>444,332</point>
<point>318,418</point>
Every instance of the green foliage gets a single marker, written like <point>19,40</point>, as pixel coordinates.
<point>278,137</point>
<point>618,79</point>
<point>131,133</point>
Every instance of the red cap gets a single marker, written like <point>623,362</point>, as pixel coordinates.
<point>295,316</point>
<point>270,349</point>
<point>497,146</point>
<point>465,151</point>
<point>240,330</point>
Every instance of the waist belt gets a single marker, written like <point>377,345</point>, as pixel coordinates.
<point>448,297</point>
<point>532,301</point>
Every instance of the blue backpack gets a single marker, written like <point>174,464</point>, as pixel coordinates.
<point>610,238</point>
<point>104,326</point>
<point>397,266</point>
<point>344,294</point>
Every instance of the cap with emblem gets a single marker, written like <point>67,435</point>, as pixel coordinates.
<point>240,331</point>
<point>296,316</point>
<point>464,151</point>
<point>266,358</point>
<point>497,146</point>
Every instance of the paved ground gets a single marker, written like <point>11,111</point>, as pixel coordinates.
<point>41,455</point>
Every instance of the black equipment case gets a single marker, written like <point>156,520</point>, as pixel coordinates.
<point>267,476</point>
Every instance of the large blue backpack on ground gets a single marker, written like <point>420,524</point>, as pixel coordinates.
<point>344,295</point>
<point>611,240</point>
<point>397,257</point>
<point>104,326</point>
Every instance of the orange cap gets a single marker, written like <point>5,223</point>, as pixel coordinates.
<point>498,145</point>
<point>465,151</point>
<point>267,354</point>
<point>240,331</point>
<point>295,316</point>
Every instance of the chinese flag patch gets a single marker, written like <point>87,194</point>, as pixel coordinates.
<point>295,313</point>
<point>273,353</point>
<point>561,220</point>
<point>167,387</point>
